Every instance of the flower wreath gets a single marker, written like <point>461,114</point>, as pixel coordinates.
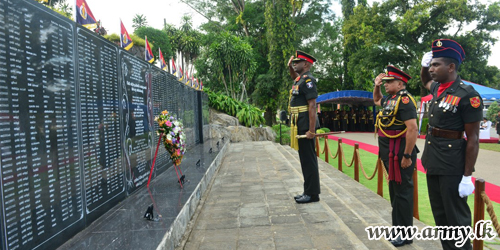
<point>172,133</point>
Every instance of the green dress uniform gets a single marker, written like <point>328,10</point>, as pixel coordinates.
<point>336,121</point>
<point>444,153</point>
<point>362,122</point>
<point>371,123</point>
<point>352,121</point>
<point>345,121</point>
<point>392,141</point>
<point>304,88</point>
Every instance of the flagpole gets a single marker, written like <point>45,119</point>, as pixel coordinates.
<point>146,49</point>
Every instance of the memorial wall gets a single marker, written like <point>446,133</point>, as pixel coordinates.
<point>77,130</point>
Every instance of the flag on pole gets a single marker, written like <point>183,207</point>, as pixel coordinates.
<point>174,69</point>
<point>163,65</point>
<point>181,75</point>
<point>201,85</point>
<point>125,40</point>
<point>197,84</point>
<point>188,82</point>
<point>148,54</point>
<point>84,16</point>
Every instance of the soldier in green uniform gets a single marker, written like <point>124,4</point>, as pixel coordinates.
<point>335,120</point>
<point>362,120</point>
<point>448,158</point>
<point>352,120</point>
<point>303,110</point>
<point>397,130</point>
<point>371,123</point>
<point>345,120</point>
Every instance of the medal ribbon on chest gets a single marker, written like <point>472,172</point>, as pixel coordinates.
<point>454,104</point>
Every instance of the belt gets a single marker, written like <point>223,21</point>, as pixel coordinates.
<point>444,133</point>
<point>299,109</point>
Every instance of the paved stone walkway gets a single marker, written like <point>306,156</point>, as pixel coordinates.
<point>250,206</point>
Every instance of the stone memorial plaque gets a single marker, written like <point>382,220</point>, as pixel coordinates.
<point>99,108</point>
<point>137,120</point>
<point>40,162</point>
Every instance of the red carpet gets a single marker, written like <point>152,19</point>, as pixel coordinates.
<point>492,190</point>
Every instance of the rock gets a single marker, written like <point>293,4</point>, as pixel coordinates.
<point>223,125</point>
<point>223,119</point>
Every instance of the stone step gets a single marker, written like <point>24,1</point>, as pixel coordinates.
<point>358,206</point>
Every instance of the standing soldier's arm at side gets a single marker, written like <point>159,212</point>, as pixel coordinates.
<point>311,103</point>
<point>472,148</point>
<point>425,76</point>
<point>411,139</point>
<point>377,92</point>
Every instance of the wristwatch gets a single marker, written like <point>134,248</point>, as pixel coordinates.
<point>407,156</point>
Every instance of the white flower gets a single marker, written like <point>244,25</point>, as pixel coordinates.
<point>169,137</point>
<point>176,130</point>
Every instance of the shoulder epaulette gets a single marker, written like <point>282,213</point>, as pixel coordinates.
<point>403,92</point>
<point>467,88</point>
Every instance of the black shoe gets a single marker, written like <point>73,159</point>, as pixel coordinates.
<point>308,198</point>
<point>298,196</point>
<point>400,242</point>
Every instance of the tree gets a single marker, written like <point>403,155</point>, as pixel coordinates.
<point>139,21</point>
<point>280,35</point>
<point>399,33</point>
<point>349,48</point>
<point>319,32</point>
<point>229,63</point>
<point>492,112</point>
<point>158,39</point>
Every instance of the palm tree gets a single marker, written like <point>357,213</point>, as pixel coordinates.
<point>139,21</point>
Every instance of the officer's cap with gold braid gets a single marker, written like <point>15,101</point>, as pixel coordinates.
<point>393,73</point>
<point>303,56</point>
<point>448,48</point>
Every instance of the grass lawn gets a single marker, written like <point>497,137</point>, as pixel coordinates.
<point>369,160</point>
<point>490,146</point>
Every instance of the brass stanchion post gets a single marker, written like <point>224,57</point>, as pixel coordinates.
<point>380,178</point>
<point>415,194</point>
<point>356,162</point>
<point>478,213</point>
<point>327,150</point>
<point>340,154</point>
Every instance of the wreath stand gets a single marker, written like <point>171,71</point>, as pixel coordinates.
<point>179,179</point>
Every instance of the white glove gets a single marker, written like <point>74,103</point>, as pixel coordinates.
<point>466,187</point>
<point>426,59</point>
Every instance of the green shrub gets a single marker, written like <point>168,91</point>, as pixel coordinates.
<point>327,130</point>
<point>492,112</point>
<point>135,39</point>
<point>247,114</point>
<point>285,134</point>
<point>320,131</point>
<point>423,130</point>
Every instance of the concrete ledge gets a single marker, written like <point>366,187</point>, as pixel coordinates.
<point>174,235</point>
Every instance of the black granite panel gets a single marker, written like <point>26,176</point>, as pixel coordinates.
<point>100,126</point>
<point>160,84</point>
<point>41,167</point>
<point>77,133</point>
<point>136,117</point>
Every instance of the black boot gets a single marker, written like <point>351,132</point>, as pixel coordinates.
<point>308,198</point>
